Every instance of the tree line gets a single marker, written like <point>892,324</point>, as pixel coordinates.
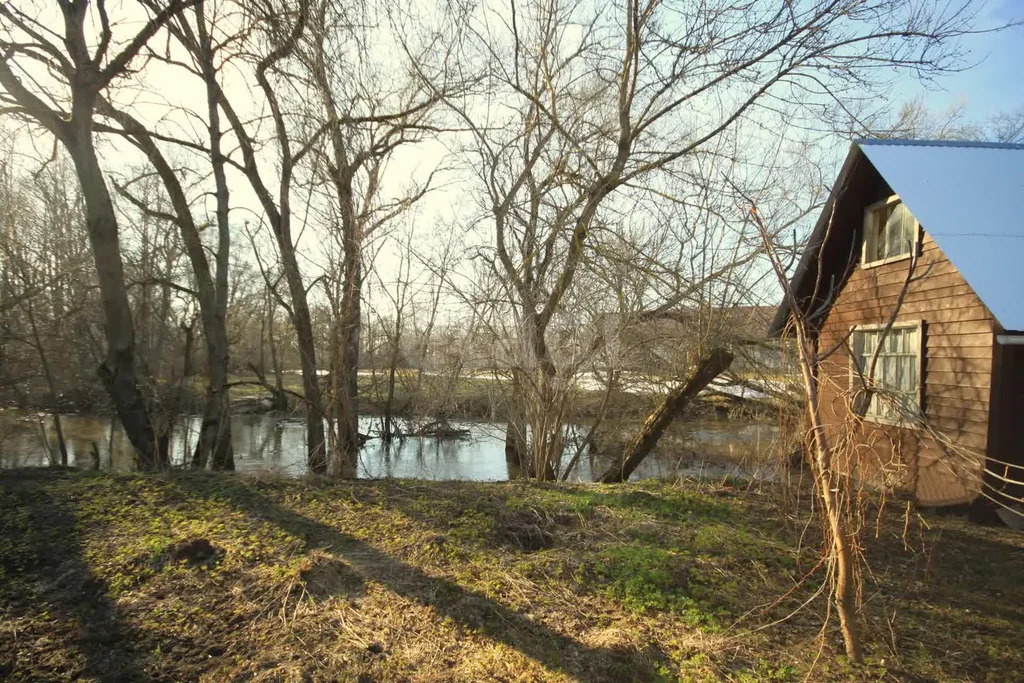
<point>574,160</point>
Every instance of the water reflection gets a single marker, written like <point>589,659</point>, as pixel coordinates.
<point>278,445</point>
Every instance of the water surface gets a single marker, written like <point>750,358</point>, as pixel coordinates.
<point>271,443</point>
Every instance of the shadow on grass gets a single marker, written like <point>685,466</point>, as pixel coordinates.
<point>473,610</point>
<point>973,569</point>
<point>48,588</point>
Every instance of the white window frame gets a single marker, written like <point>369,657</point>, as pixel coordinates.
<point>854,375</point>
<point>868,228</point>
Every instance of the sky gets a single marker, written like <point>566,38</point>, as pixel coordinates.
<point>994,82</point>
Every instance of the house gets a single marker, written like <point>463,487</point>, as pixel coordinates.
<point>954,356</point>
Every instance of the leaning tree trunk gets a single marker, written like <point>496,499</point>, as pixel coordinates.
<point>316,447</point>
<point>118,371</point>
<point>830,484</point>
<point>214,444</point>
<point>709,367</point>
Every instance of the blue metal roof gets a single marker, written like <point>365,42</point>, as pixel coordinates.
<point>969,196</point>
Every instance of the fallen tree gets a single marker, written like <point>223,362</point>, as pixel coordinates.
<point>707,368</point>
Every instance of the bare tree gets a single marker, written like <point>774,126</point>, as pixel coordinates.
<point>594,105</point>
<point>370,111</point>
<point>1008,126</point>
<point>273,34</point>
<point>66,109</point>
<point>214,443</point>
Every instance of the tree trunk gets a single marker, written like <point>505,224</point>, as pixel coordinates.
<point>828,483</point>
<point>709,367</point>
<point>316,457</point>
<point>396,346</point>
<point>51,383</point>
<point>346,398</point>
<point>118,371</point>
<point>516,450</point>
<point>532,402</point>
<point>215,433</point>
<point>316,447</point>
<point>214,444</point>
<point>277,390</point>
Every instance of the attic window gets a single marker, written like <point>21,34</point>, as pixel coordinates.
<point>890,232</point>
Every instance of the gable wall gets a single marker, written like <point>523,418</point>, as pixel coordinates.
<point>957,372</point>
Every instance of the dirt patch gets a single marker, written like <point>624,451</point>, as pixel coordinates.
<point>194,552</point>
<point>325,577</point>
<point>529,530</point>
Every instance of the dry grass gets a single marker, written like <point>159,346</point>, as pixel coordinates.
<point>211,577</point>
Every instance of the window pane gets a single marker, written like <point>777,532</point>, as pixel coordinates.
<point>892,341</point>
<point>870,342</point>
<point>909,236</point>
<point>912,405</point>
<point>883,218</point>
<point>897,231</point>
<point>890,231</point>
<point>889,366</point>
<point>892,239</point>
<point>910,340</point>
<point>875,232</point>
<point>908,374</point>
<point>897,370</point>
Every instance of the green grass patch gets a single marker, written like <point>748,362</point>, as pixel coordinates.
<point>197,576</point>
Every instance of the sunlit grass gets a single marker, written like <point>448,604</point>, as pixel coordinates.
<point>219,576</point>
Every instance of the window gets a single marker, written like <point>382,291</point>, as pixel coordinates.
<point>897,369</point>
<point>890,232</point>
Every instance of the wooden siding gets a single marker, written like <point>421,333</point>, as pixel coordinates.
<point>956,373</point>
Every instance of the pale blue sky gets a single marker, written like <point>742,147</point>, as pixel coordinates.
<point>994,85</point>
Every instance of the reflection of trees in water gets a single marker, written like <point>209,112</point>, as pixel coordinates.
<point>27,440</point>
<point>270,442</point>
<point>253,434</point>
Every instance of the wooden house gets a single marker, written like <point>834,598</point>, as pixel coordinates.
<point>955,353</point>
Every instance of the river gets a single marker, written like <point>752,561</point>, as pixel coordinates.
<point>273,444</point>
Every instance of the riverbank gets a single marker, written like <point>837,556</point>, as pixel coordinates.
<point>426,397</point>
<point>198,575</point>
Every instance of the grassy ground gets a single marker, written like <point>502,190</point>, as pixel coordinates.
<point>218,577</point>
